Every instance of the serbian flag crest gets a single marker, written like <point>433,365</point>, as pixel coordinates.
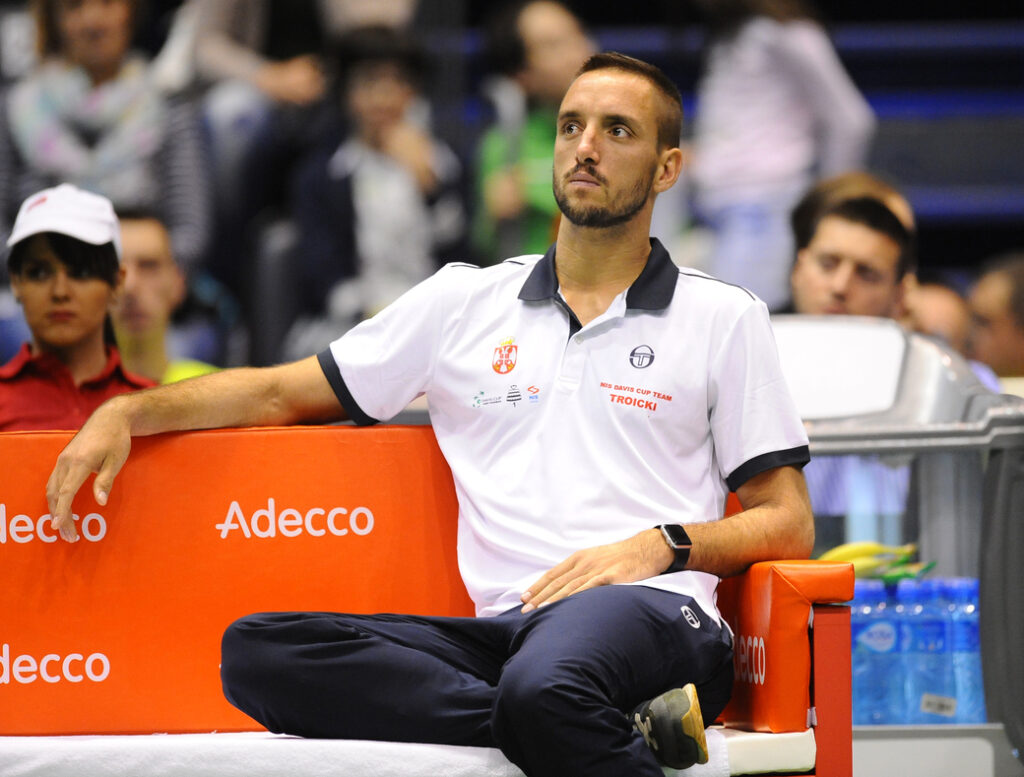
<point>505,357</point>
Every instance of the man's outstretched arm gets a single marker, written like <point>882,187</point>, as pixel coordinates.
<point>266,396</point>
<point>776,523</point>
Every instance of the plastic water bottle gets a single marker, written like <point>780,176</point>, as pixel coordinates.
<point>877,690</point>
<point>925,625</point>
<point>962,593</point>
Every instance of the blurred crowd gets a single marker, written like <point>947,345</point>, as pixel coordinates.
<point>279,175</point>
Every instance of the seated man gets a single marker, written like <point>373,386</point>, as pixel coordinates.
<point>154,286</point>
<point>997,320</point>
<point>866,266</point>
<point>855,261</point>
<point>596,404</point>
<point>938,310</point>
<point>854,257</point>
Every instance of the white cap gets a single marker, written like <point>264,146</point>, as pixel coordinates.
<point>71,211</point>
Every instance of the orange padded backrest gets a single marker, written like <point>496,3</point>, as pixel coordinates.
<point>120,632</point>
<point>769,609</point>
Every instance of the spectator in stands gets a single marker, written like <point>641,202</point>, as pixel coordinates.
<point>997,320</point>
<point>845,186</point>
<point>775,110</point>
<point>535,46</point>
<point>90,115</point>
<point>65,273</point>
<point>855,262</point>
<point>380,211</point>
<point>266,106</point>
<point>940,311</point>
<point>154,286</point>
<point>854,259</point>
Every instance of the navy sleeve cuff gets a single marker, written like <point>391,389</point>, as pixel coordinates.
<point>348,402</point>
<point>794,457</point>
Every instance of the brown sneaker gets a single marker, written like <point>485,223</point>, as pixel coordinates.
<point>673,728</point>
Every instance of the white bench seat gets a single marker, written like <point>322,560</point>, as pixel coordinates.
<point>255,754</point>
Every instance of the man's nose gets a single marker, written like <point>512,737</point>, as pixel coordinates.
<point>131,280</point>
<point>587,148</point>
<point>841,279</point>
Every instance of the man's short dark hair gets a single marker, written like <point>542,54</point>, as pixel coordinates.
<point>828,191</point>
<point>81,258</point>
<point>1011,265</point>
<point>670,121</point>
<point>873,214</point>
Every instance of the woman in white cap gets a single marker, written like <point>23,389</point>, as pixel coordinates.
<point>64,264</point>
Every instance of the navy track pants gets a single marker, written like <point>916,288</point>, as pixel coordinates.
<point>554,689</point>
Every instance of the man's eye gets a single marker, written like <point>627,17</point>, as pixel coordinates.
<point>869,275</point>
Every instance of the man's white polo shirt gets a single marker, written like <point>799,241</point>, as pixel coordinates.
<point>563,437</point>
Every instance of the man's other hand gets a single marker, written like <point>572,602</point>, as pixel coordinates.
<point>640,557</point>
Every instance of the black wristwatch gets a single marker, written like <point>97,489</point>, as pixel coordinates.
<point>677,538</point>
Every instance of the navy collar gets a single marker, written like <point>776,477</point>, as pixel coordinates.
<point>652,290</point>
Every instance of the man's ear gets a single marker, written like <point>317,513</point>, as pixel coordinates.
<point>899,300</point>
<point>801,256</point>
<point>180,288</point>
<point>670,166</point>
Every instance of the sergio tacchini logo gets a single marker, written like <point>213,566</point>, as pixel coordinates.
<point>641,357</point>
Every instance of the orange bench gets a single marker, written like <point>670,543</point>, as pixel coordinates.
<point>120,632</point>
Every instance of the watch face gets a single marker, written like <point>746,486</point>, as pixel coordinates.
<point>677,535</point>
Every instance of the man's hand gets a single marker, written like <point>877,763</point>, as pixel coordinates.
<point>413,149</point>
<point>101,446</point>
<point>641,556</point>
<point>244,396</point>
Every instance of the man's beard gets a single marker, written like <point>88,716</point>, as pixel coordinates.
<point>595,216</point>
